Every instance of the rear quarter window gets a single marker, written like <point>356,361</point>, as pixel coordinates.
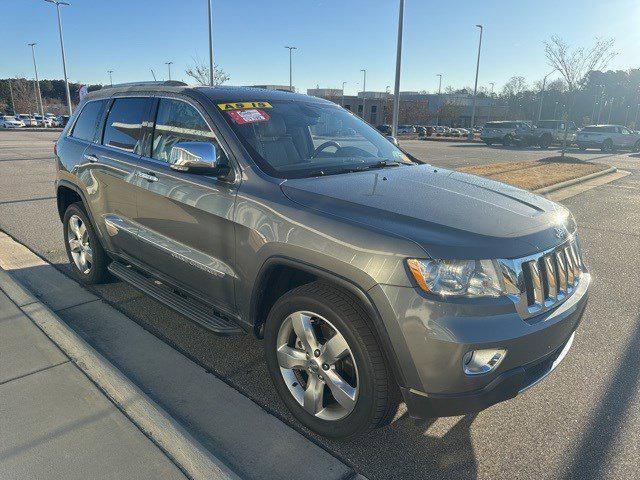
<point>85,126</point>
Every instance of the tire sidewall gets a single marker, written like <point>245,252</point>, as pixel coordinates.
<point>361,416</point>
<point>95,272</point>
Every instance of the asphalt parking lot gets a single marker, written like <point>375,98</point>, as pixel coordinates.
<point>582,422</point>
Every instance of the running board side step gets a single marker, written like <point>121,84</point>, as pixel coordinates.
<point>189,307</point>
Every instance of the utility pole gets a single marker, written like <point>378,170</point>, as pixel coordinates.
<point>13,105</point>
<point>490,101</point>
<point>58,3</point>
<point>475,88</point>
<point>396,89</point>
<point>544,84</point>
<point>168,64</point>
<point>211,66</point>
<point>110,76</point>
<point>291,49</point>
<point>37,84</point>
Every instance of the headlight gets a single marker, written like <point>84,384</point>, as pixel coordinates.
<point>458,278</point>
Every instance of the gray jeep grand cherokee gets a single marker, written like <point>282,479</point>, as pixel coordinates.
<point>372,277</point>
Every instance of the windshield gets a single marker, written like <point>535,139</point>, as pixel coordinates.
<point>291,139</point>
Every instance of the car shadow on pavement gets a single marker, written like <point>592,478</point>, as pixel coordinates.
<point>594,453</point>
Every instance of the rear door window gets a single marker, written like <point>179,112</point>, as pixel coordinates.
<point>123,129</point>
<point>85,127</point>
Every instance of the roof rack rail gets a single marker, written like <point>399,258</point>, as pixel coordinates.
<point>162,83</point>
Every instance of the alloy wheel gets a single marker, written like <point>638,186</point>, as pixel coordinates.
<point>79,245</point>
<point>317,365</point>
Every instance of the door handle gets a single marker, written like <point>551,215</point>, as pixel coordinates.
<point>150,177</point>
<point>89,157</point>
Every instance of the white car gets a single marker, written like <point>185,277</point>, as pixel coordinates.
<point>551,132</point>
<point>28,120</point>
<point>46,122</point>
<point>608,138</point>
<point>7,121</point>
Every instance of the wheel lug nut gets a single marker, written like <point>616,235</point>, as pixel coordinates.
<point>316,352</point>
<point>325,366</point>
<point>321,377</point>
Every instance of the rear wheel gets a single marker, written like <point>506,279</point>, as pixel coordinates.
<point>86,255</point>
<point>507,140</point>
<point>607,145</point>
<point>326,364</point>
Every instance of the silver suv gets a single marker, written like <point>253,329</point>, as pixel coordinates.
<point>608,138</point>
<point>514,133</point>
<point>552,132</point>
<point>372,277</point>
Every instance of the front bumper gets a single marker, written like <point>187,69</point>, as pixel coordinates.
<point>432,337</point>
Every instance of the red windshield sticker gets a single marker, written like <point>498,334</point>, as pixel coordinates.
<point>252,115</point>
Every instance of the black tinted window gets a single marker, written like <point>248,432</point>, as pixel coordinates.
<point>178,121</point>
<point>123,129</point>
<point>592,129</point>
<point>85,126</point>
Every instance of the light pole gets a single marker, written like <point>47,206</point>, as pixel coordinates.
<point>396,88</point>
<point>168,64</point>
<point>490,101</point>
<point>57,3</point>
<point>291,49</point>
<point>153,74</point>
<point>211,67</point>
<point>544,84</point>
<point>439,75</point>
<point>13,105</point>
<point>475,88</point>
<point>610,109</point>
<point>555,110</point>
<point>364,88</point>
<point>626,117</point>
<point>343,85</point>
<point>110,76</point>
<point>635,121</point>
<point>37,84</point>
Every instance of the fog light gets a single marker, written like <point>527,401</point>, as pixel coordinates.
<point>479,362</point>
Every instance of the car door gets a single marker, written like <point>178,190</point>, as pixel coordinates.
<point>114,165</point>
<point>185,219</point>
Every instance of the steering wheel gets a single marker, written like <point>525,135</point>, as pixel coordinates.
<point>324,145</point>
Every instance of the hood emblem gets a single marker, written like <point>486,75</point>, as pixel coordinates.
<point>560,232</point>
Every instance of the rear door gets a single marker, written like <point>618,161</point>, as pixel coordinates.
<point>115,159</point>
<point>185,220</point>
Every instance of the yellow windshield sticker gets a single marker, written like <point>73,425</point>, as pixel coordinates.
<point>243,105</point>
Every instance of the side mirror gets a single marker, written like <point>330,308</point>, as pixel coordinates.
<point>196,157</point>
<point>393,140</point>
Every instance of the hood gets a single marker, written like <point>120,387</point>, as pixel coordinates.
<point>449,214</point>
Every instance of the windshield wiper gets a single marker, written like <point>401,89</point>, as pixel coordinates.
<point>382,164</point>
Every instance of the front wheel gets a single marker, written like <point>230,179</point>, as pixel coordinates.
<point>326,364</point>
<point>607,145</point>
<point>86,255</point>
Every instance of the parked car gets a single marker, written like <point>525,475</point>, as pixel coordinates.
<point>440,130</point>
<point>552,132</point>
<point>515,133</point>
<point>28,120</point>
<point>420,130</point>
<point>43,121</point>
<point>386,129</point>
<point>608,138</point>
<point>446,290</point>
<point>463,132</point>
<point>63,119</point>
<point>8,121</point>
<point>430,129</point>
<point>406,129</point>
<point>454,132</point>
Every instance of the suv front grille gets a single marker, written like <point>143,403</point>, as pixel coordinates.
<point>540,282</point>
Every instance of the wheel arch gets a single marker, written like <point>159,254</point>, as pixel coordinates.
<point>284,274</point>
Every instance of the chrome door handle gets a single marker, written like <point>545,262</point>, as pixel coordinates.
<point>150,177</point>
<point>90,157</point>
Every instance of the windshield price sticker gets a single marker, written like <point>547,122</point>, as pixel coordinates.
<point>253,115</point>
<point>243,105</point>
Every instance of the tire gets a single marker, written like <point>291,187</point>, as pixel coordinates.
<point>322,307</point>
<point>507,140</point>
<point>93,269</point>
<point>545,141</point>
<point>607,145</point>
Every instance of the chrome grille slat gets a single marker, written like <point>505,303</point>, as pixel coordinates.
<point>540,282</point>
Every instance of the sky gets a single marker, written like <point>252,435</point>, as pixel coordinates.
<point>335,39</point>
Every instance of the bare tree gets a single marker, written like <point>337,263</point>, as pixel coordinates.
<point>514,86</point>
<point>574,64</point>
<point>200,73</point>
<point>23,95</point>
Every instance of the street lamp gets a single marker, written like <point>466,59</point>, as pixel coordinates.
<point>211,67</point>
<point>626,117</point>
<point>555,110</point>
<point>396,89</point>
<point>291,49</point>
<point>544,84</point>
<point>37,83</point>
<point>110,77</point>
<point>168,64</point>
<point>439,75</point>
<point>490,101</point>
<point>475,88</point>
<point>57,3</point>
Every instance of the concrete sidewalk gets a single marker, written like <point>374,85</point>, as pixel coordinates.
<point>55,423</point>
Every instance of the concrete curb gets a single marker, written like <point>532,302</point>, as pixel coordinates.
<point>195,460</point>
<point>575,181</point>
